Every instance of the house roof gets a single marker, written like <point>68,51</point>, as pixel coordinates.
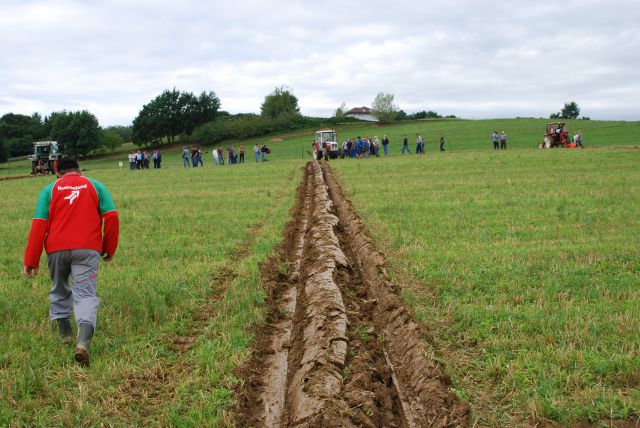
<point>359,110</point>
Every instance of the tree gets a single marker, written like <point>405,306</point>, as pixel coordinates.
<point>173,113</point>
<point>146,126</point>
<point>280,102</point>
<point>383,107</point>
<point>340,111</point>
<point>207,108</point>
<point>569,111</point>
<point>78,132</point>
<point>18,131</point>
<point>111,140</point>
<point>125,132</point>
<point>4,152</point>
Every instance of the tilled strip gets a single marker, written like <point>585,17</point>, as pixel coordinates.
<point>318,372</point>
<point>276,346</point>
<point>353,351</point>
<point>424,388</point>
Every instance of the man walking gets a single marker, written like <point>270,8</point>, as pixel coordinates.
<point>132,160</point>
<point>139,159</point>
<point>442,142</point>
<point>405,145</point>
<point>76,221</point>
<point>494,139</point>
<point>503,140</point>
<point>579,140</point>
<point>215,156</point>
<point>199,156</point>
<point>194,156</point>
<point>185,157</point>
<point>156,164</point>
<point>419,144</point>
<point>385,145</point>
<point>241,160</point>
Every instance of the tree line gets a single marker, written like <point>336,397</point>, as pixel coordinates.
<point>79,131</point>
<point>192,118</point>
<point>172,114</point>
<point>199,119</point>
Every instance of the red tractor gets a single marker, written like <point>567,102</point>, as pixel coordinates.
<point>557,135</point>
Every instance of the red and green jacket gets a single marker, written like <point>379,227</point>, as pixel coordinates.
<point>72,213</point>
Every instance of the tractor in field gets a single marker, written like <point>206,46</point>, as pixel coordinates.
<point>45,157</point>
<point>325,144</point>
<point>557,135</point>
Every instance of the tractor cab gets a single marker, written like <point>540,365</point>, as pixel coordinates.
<point>557,135</point>
<point>45,156</point>
<point>326,139</point>
<point>46,149</point>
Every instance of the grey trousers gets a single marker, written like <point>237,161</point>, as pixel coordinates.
<point>81,298</point>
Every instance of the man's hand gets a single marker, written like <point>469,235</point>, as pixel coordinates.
<point>107,257</point>
<point>29,271</point>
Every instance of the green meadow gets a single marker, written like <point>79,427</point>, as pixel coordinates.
<point>527,271</point>
<point>524,263</point>
<point>177,301</point>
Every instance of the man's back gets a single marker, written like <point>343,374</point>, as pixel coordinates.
<point>69,219</point>
<point>74,206</point>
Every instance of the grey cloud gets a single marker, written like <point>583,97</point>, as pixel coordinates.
<point>469,58</point>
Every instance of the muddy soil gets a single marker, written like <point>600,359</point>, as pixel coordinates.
<point>16,177</point>
<point>340,348</point>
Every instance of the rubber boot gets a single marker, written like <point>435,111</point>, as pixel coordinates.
<point>85,333</point>
<point>65,330</point>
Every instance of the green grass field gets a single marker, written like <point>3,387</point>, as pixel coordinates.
<point>528,273</point>
<point>524,262</point>
<point>186,272</point>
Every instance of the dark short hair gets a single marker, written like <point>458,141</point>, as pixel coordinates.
<point>68,163</point>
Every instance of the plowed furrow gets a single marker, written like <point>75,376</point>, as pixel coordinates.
<point>341,348</point>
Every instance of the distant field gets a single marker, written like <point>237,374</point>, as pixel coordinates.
<point>459,134</point>
<point>523,262</point>
<point>528,272</point>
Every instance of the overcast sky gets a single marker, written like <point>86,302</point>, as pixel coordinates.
<point>474,59</point>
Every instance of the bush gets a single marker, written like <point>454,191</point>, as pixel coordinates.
<point>244,126</point>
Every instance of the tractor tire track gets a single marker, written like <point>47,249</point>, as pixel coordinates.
<point>340,348</point>
<point>16,177</point>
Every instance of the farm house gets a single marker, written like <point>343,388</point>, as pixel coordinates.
<point>362,113</point>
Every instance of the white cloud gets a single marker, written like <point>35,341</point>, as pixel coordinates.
<point>463,57</point>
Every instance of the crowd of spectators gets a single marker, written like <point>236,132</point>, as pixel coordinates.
<point>141,159</point>
<point>193,157</point>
